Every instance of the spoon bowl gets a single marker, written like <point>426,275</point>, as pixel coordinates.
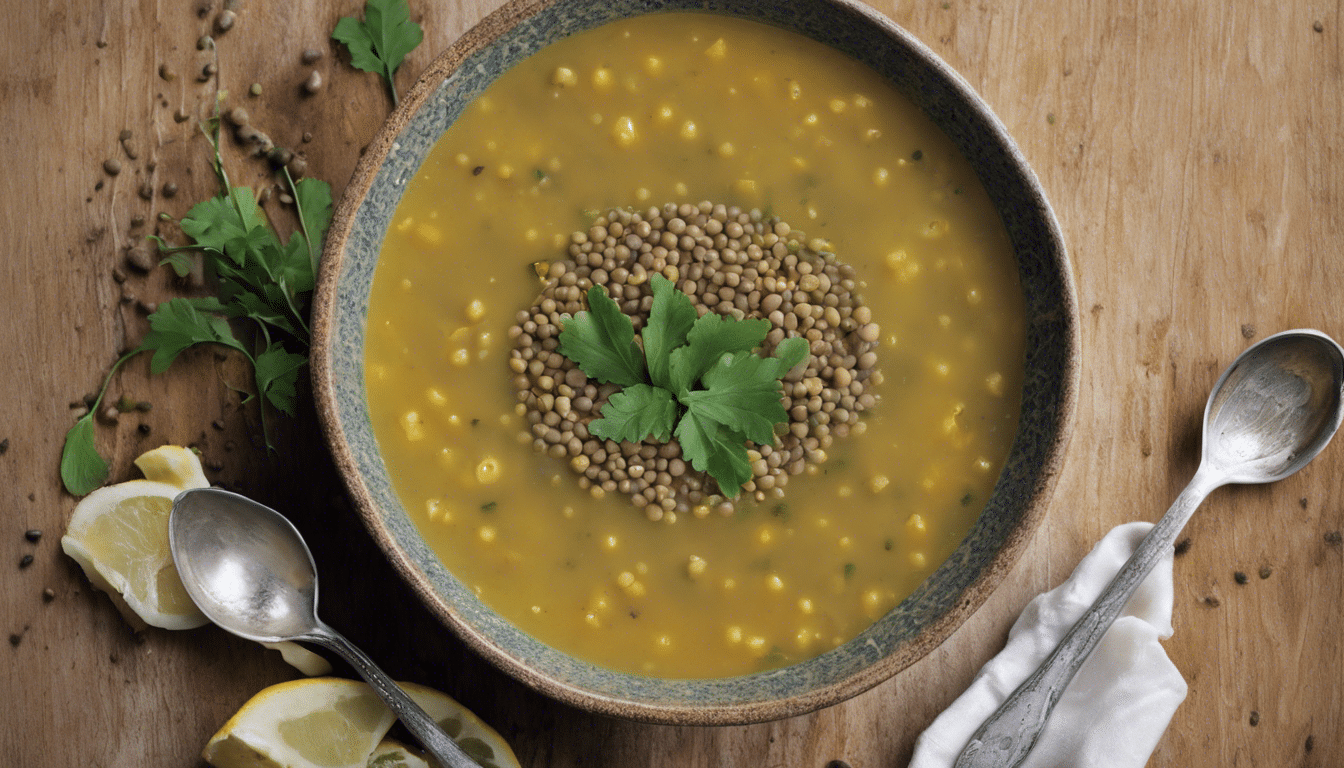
<point>1274,408</point>
<point>245,565</point>
<point>249,571</point>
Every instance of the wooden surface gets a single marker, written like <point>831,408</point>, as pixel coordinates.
<point>1192,151</point>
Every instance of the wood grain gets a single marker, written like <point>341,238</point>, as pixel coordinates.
<point>1192,152</point>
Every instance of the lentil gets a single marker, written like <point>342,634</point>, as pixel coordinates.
<point>790,284</point>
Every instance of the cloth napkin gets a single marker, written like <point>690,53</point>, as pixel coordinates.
<point>1117,706</point>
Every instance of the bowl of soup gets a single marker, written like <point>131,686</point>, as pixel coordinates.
<point>697,363</point>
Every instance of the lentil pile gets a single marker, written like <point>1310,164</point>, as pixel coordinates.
<point>728,261</point>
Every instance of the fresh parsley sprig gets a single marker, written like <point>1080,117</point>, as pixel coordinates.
<point>381,41</point>
<point>260,278</point>
<point>696,378</point>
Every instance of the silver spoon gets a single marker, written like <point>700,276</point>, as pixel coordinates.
<point>1272,411</point>
<point>248,570</point>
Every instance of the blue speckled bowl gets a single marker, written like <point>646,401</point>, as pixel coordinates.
<point>921,621</point>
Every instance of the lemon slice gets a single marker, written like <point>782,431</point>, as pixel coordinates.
<point>119,536</point>
<point>481,742</point>
<point>393,754</point>
<point>321,722</point>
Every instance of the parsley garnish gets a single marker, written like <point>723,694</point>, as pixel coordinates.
<point>696,378</point>
<point>380,43</point>
<point>260,278</point>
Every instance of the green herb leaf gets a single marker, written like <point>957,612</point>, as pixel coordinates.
<point>380,43</point>
<point>177,325</point>
<point>312,199</point>
<point>710,338</point>
<point>742,393</point>
<point>713,449</point>
<point>82,469</point>
<point>277,375</point>
<point>602,342</point>
<point>670,319</point>
<point>637,412</point>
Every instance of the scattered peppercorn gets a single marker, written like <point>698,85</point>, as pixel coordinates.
<point>225,21</point>
<point>1247,331</point>
<point>1333,538</point>
<point>15,638</point>
<point>146,191</point>
<point>1265,571</point>
<point>307,136</point>
<point>144,406</point>
<point>25,561</point>
<point>169,189</point>
<point>112,166</point>
<point>33,535</point>
<point>4,446</point>
<point>477,170</point>
<point>139,257</point>
<point>1317,26</point>
<point>1254,718</point>
<point>143,428</point>
<point>1310,745</point>
<point>1211,601</point>
<point>1183,546</point>
<point>167,73</point>
<point>1240,577</point>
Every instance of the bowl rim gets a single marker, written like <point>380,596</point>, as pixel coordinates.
<point>973,595</point>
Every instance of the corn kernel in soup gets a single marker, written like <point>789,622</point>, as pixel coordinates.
<point>689,107</point>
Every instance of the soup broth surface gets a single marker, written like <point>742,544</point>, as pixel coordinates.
<point>683,107</point>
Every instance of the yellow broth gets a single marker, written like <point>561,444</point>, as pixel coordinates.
<point>682,108</point>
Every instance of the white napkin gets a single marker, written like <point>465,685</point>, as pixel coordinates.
<point>1119,703</point>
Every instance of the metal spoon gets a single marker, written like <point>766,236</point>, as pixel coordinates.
<point>248,570</point>
<point>1270,413</point>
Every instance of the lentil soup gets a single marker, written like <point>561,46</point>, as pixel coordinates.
<point>687,107</point>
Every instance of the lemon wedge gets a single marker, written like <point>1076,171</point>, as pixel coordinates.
<point>119,536</point>
<point>316,721</point>
<point>327,722</point>
<point>481,742</point>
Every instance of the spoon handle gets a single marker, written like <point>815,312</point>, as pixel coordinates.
<point>1007,736</point>
<point>431,736</point>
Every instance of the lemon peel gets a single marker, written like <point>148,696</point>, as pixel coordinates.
<point>317,721</point>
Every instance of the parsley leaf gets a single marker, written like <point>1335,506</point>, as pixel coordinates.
<point>712,448</point>
<point>380,43</point>
<point>738,396</point>
<point>637,412</point>
<point>82,469</point>
<point>670,318</point>
<point>176,325</point>
<point>704,384</point>
<point>709,339</point>
<point>602,342</point>
<point>277,375</point>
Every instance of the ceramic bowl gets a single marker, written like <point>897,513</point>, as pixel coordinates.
<point>920,622</point>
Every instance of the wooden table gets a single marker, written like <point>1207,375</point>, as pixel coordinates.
<point>1193,152</point>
